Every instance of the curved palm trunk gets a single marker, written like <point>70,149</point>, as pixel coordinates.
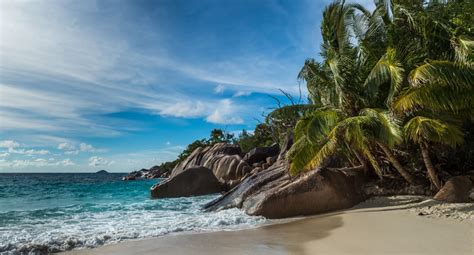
<point>429,166</point>
<point>401,170</point>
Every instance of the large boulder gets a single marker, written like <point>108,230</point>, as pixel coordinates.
<point>456,190</point>
<point>202,154</point>
<point>223,159</point>
<point>194,181</point>
<point>228,167</point>
<point>273,194</point>
<point>260,154</point>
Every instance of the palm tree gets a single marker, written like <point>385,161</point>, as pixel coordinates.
<point>363,89</point>
<point>337,85</point>
<point>424,131</point>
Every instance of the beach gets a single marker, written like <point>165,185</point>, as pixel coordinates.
<point>383,225</point>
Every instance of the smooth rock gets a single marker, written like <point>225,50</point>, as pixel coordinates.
<point>190,182</point>
<point>456,190</point>
<point>223,159</point>
<point>273,194</point>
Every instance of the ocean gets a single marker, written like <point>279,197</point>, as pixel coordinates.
<point>55,212</point>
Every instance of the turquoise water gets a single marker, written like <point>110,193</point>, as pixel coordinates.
<point>54,212</point>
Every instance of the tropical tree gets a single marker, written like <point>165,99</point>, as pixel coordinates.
<point>424,131</point>
<point>337,84</point>
<point>364,89</point>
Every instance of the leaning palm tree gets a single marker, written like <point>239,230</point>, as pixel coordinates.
<point>321,134</point>
<point>425,131</point>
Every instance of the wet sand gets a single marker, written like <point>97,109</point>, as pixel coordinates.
<point>365,229</point>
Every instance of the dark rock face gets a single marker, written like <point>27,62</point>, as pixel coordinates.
<point>190,182</point>
<point>102,172</point>
<point>273,194</point>
<point>223,159</point>
<point>260,154</point>
<point>456,190</point>
<point>156,172</point>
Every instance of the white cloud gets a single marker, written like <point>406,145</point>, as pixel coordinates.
<point>15,148</point>
<point>39,162</point>
<point>222,111</point>
<point>9,144</point>
<point>185,109</point>
<point>242,93</point>
<point>86,147</point>
<point>219,89</point>
<point>75,152</point>
<point>99,161</point>
<point>67,162</point>
<point>66,146</point>
<point>224,114</point>
<point>70,149</point>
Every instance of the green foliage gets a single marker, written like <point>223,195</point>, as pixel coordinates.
<point>423,130</point>
<point>281,121</point>
<point>378,69</point>
<point>261,136</point>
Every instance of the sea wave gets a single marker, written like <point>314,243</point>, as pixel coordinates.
<point>90,225</point>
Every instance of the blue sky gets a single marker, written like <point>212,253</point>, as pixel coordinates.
<point>122,85</point>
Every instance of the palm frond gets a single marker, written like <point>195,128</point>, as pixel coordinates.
<point>387,69</point>
<point>443,73</point>
<point>463,49</point>
<point>422,129</point>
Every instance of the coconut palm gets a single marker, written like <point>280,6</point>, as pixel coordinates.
<point>425,131</point>
<point>338,84</point>
<point>365,88</point>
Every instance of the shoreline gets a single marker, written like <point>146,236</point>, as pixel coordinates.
<point>397,225</point>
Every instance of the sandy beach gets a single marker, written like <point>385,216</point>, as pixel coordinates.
<point>393,225</point>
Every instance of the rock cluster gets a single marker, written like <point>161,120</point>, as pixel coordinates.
<point>152,173</point>
<point>226,163</point>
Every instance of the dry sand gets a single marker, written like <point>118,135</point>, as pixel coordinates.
<point>385,225</point>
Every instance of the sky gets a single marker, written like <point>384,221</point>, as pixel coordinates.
<point>124,85</point>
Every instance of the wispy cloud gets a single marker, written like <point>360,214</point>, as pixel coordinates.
<point>39,162</point>
<point>225,114</point>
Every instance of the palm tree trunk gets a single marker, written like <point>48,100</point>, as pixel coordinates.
<point>362,161</point>
<point>401,170</point>
<point>429,166</point>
